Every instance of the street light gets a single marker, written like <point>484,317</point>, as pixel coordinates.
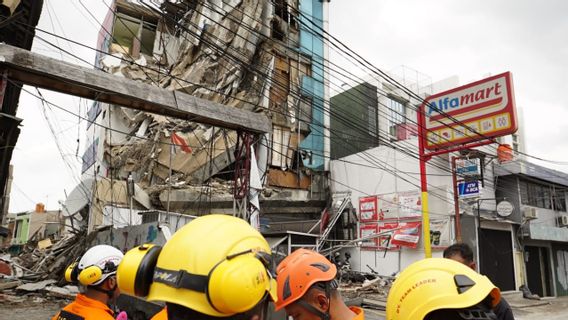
<point>478,201</point>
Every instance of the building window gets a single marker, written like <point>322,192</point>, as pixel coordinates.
<point>372,120</point>
<point>90,156</point>
<point>559,200</point>
<point>515,143</point>
<point>132,35</point>
<point>398,115</point>
<point>542,196</point>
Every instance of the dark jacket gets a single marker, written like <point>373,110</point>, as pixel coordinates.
<point>503,310</point>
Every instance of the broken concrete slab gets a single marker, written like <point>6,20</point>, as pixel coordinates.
<point>32,287</point>
<point>44,244</point>
<point>60,292</point>
<point>9,284</point>
<point>11,299</point>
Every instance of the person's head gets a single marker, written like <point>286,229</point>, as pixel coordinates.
<point>441,289</point>
<point>307,288</point>
<point>95,272</point>
<point>216,266</point>
<point>461,253</point>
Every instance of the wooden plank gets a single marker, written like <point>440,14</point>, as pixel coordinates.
<point>52,74</point>
<point>287,179</point>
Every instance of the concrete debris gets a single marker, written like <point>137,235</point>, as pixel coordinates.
<point>10,284</point>
<point>36,264</point>
<point>64,293</point>
<point>187,58</point>
<point>32,287</point>
<point>7,298</point>
<point>372,286</point>
<point>36,271</point>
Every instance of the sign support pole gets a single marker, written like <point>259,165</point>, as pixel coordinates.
<point>456,201</point>
<point>424,190</point>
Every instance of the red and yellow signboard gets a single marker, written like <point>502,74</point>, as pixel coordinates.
<point>470,113</point>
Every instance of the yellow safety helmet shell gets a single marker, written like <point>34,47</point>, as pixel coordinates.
<point>135,272</point>
<point>202,247</point>
<point>434,284</point>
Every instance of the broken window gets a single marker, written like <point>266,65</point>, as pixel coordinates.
<point>90,156</point>
<point>93,113</point>
<point>280,147</point>
<point>132,36</point>
<point>285,17</point>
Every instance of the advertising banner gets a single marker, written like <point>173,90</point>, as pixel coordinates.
<point>408,235</point>
<point>394,206</point>
<point>440,233</point>
<point>368,209</point>
<point>385,241</point>
<point>366,230</point>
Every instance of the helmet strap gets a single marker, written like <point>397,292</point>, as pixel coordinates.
<point>314,310</point>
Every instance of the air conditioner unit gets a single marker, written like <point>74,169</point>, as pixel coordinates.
<point>530,213</point>
<point>563,221</point>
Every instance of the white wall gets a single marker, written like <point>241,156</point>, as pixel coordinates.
<point>384,170</point>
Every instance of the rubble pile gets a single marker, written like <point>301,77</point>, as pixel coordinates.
<point>376,288</point>
<point>35,263</point>
<point>220,51</point>
<point>34,274</point>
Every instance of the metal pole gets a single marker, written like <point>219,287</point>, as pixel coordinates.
<point>170,174</point>
<point>479,233</point>
<point>424,188</point>
<point>456,201</point>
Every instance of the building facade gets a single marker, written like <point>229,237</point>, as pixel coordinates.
<point>262,56</point>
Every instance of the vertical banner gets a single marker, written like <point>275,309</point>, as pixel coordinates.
<point>408,235</point>
<point>368,209</point>
<point>366,230</point>
<point>440,233</point>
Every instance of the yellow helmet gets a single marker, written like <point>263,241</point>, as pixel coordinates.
<point>216,265</point>
<point>437,284</point>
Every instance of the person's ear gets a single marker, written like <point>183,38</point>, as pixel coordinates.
<point>322,302</point>
<point>110,283</point>
<point>473,265</point>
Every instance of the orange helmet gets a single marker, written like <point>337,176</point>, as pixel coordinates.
<point>298,272</point>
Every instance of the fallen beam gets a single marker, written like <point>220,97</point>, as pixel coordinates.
<point>52,74</point>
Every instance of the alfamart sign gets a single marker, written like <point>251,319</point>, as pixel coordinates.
<point>457,116</point>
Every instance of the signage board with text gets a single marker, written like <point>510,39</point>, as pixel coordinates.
<point>470,113</point>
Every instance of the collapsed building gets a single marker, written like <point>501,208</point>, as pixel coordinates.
<point>258,55</point>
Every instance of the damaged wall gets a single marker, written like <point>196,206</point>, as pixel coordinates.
<point>242,53</point>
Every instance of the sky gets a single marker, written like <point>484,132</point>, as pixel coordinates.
<point>442,38</point>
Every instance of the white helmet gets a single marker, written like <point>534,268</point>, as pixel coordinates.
<point>98,263</point>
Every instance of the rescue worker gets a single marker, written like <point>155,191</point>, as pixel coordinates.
<point>441,289</point>
<point>216,266</point>
<point>462,253</point>
<point>307,288</point>
<point>95,274</point>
